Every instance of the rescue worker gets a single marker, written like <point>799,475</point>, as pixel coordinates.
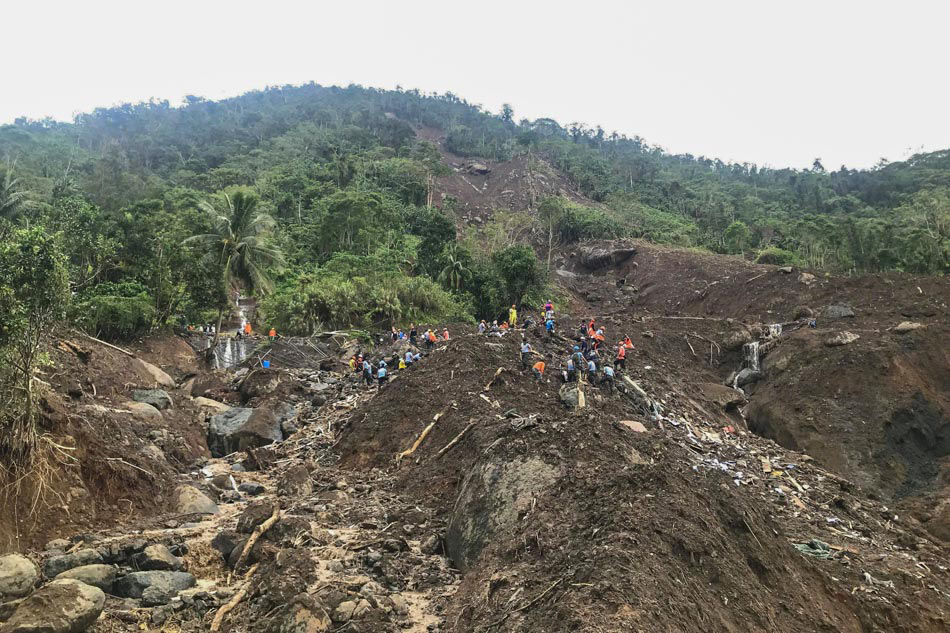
<point>620,362</point>
<point>395,334</point>
<point>504,325</point>
<point>445,334</point>
<point>513,315</point>
<point>578,361</point>
<point>408,357</point>
<point>549,326</point>
<point>608,378</point>
<point>627,342</point>
<point>525,353</point>
<point>430,339</point>
<point>482,327</point>
<point>592,371</point>
<point>381,375</point>
<point>247,329</point>
<point>353,362</point>
<point>571,374</point>
<point>539,370</point>
<point>367,372</point>
<point>402,363</point>
<point>413,334</point>
<point>272,335</point>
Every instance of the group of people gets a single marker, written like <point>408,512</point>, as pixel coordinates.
<point>379,372</point>
<point>590,358</point>
<point>430,337</point>
<point>547,318</point>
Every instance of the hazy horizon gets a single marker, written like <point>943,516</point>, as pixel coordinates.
<point>849,83</point>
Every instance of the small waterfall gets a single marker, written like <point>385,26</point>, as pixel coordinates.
<point>775,330</point>
<point>750,353</point>
<point>231,351</point>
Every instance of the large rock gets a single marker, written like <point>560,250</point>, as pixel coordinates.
<point>259,382</point>
<point>157,558</point>
<point>62,606</point>
<point>144,412</point>
<point>209,384</point>
<point>747,377</point>
<point>18,574</point>
<point>493,497</point>
<point>240,429</point>
<point>211,405</point>
<point>572,396</point>
<point>305,615</point>
<point>134,585</point>
<point>158,398</point>
<point>838,311</point>
<point>155,374</point>
<point>58,564</point>
<point>841,338</point>
<point>190,500</point>
<point>721,395</point>
<point>295,482</point>
<point>597,257</point>
<point>101,576</point>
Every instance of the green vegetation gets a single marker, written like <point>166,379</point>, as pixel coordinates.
<point>33,297</point>
<point>320,201</point>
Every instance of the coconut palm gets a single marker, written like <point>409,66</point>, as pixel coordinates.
<point>239,243</point>
<point>11,196</point>
<point>454,272</point>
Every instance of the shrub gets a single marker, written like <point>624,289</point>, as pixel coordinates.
<point>115,311</point>
<point>778,257</point>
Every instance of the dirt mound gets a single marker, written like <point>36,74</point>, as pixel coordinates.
<point>571,519</point>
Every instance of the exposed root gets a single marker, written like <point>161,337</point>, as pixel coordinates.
<point>236,599</point>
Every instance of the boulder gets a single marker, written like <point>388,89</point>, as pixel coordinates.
<point>838,311</point>
<point>57,544</point>
<point>158,398</point>
<point>58,564</point>
<point>144,412</point>
<point>211,405</point>
<point>254,515</point>
<point>225,541</point>
<point>597,257</point>
<point>190,500</point>
<point>155,374</point>
<point>572,396</point>
<point>101,576</point>
<point>841,338</point>
<point>210,383</point>
<point>785,269</point>
<point>400,606</point>
<point>62,606</point>
<point>259,382</point>
<point>157,558</point>
<point>134,585</point>
<point>295,482</point>
<point>157,596</point>
<point>344,611</point>
<point>737,338</point>
<point>251,488</point>
<point>747,377</point>
<point>807,279</point>
<point>722,396</point>
<point>907,326</point>
<point>493,497</point>
<point>18,575</point>
<point>240,429</point>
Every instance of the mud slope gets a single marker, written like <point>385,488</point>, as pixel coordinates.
<point>569,520</point>
<point>875,410</point>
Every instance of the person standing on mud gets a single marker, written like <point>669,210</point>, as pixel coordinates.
<point>413,333</point>
<point>608,378</point>
<point>539,370</point>
<point>367,372</point>
<point>381,375</point>
<point>525,353</point>
<point>513,316</point>
<point>620,362</point>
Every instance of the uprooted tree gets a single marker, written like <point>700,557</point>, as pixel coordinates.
<point>34,292</point>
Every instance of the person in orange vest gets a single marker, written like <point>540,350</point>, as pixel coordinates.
<point>539,370</point>
<point>247,328</point>
<point>430,339</point>
<point>445,333</point>
<point>272,334</point>
<point>627,342</point>
<point>620,362</point>
<point>504,325</point>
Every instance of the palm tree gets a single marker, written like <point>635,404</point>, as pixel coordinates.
<point>11,196</point>
<point>240,244</point>
<point>454,272</point>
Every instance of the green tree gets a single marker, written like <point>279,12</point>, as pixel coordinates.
<point>551,211</point>
<point>240,244</point>
<point>12,197</point>
<point>34,292</point>
<point>520,271</point>
<point>455,272</point>
<point>737,237</point>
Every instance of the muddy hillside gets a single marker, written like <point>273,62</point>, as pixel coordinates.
<point>771,456</point>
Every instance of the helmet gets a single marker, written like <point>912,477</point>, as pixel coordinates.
<point>576,348</point>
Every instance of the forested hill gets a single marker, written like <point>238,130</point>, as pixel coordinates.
<point>336,183</point>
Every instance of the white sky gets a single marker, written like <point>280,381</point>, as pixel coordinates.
<point>766,81</point>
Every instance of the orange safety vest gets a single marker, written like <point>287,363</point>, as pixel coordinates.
<point>432,337</point>
<point>273,332</point>
<point>539,366</point>
<point>621,352</point>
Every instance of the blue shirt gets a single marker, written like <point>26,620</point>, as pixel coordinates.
<point>381,373</point>
<point>592,366</point>
<point>367,366</point>
<point>382,364</point>
<point>549,325</point>
<point>408,357</point>
<point>609,371</point>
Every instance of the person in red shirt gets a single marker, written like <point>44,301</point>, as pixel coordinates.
<point>627,343</point>
<point>445,333</point>
<point>620,362</point>
<point>539,370</point>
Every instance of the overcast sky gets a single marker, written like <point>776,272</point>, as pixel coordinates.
<point>763,81</point>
